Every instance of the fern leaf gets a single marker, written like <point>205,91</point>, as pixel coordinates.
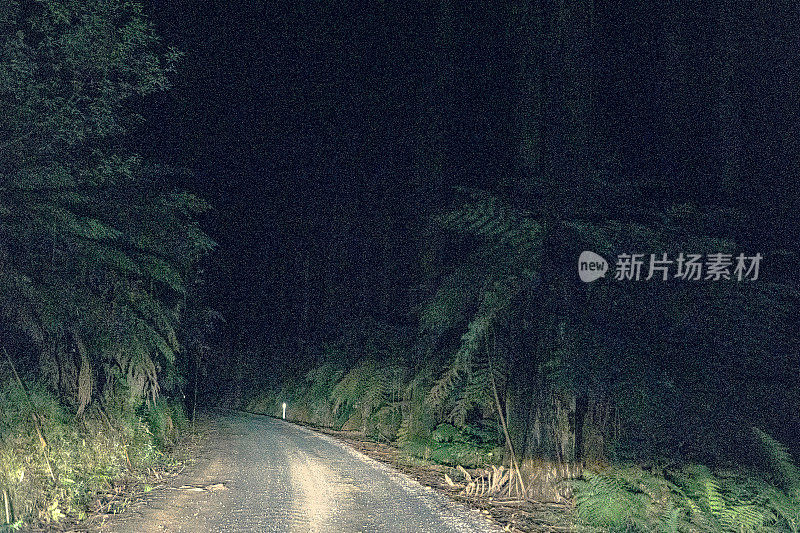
<point>781,462</point>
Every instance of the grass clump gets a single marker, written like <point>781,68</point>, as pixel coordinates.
<point>53,464</point>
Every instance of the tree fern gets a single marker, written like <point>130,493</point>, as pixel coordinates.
<point>361,391</point>
<point>469,366</point>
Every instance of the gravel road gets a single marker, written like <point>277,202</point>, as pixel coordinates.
<point>262,474</point>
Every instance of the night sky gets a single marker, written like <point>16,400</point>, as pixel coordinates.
<point>302,123</point>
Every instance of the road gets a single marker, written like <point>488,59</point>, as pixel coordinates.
<point>262,474</point>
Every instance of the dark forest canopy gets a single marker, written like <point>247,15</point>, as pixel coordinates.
<point>337,111</point>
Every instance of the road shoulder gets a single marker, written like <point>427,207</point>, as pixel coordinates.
<point>513,515</point>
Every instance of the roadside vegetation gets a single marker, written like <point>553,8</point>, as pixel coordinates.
<point>56,468</point>
<point>510,365</point>
<point>659,494</point>
<point>98,255</point>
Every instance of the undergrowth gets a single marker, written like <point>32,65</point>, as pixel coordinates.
<point>623,497</point>
<point>693,498</point>
<point>472,446</point>
<point>359,401</point>
<point>54,464</point>
<point>466,454</point>
<point>387,401</point>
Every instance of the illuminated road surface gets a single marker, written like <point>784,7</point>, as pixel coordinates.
<point>262,474</point>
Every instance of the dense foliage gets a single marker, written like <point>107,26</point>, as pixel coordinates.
<point>96,247</point>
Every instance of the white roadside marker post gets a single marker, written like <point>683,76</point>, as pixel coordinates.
<point>284,410</point>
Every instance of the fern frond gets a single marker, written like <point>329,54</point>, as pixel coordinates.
<point>443,387</point>
<point>477,392</point>
<point>489,218</point>
<point>82,226</point>
<point>163,272</point>
<point>609,501</point>
<point>781,462</point>
<point>109,256</point>
<point>163,319</point>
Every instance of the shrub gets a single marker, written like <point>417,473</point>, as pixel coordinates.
<point>446,433</point>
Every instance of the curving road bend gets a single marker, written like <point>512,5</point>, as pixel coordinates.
<point>262,474</point>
